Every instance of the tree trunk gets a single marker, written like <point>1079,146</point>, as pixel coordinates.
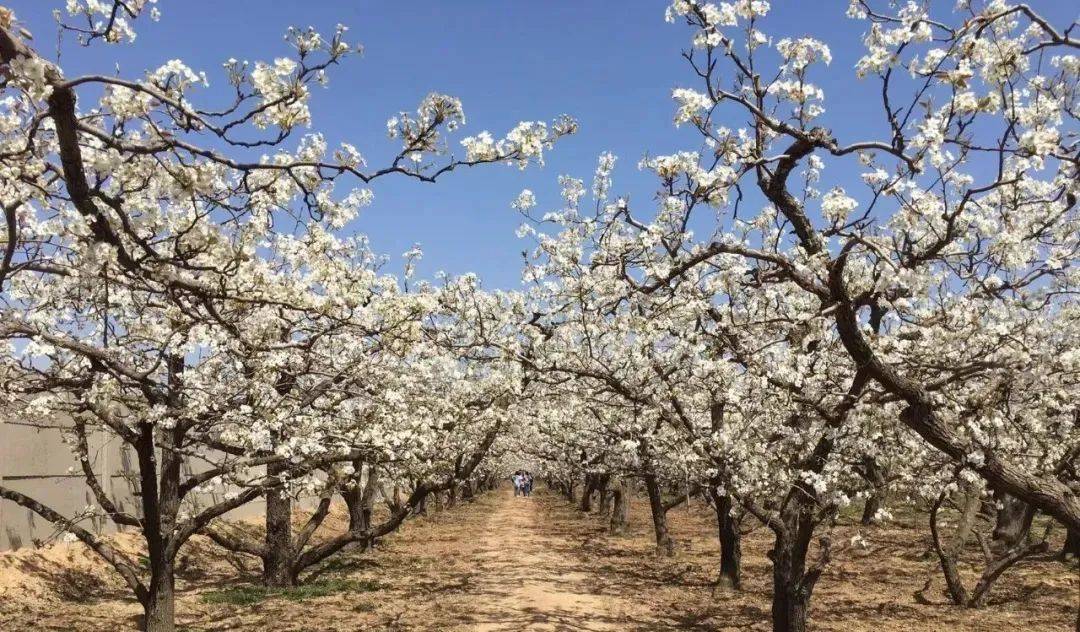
<point>664,544</point>
<point>621,512</point>
<point>730,545</point>
<point>354,502</point>
<point>789,605</point>
<point>603,495</point>
<point>968,500</point>
<point>160,505</point>
<point>791,598</point>
<point>421,507</point>
<point>360,500</point>
<point>371,489</point>
<point>586,494</point>
<point>1071,550</point>
<point>876,477</point>
<point>159,611</point>
<point>870,509</point>
<point>1010,524</point>
<point>277,562</point>
<point>793,584</point>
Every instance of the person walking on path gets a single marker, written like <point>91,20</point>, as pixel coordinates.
<point>527,483</point>
<point>518,480</point>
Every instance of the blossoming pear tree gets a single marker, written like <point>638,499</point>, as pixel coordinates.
<point>919,300</point>
<point>965,234</point>
<point>145,261</point>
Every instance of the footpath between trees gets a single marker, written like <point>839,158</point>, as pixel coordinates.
<point>501,563</point>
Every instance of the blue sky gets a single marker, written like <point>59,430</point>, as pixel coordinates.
<point>612,65</point>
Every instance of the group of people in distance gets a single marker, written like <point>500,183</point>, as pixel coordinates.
<point>523,483</point>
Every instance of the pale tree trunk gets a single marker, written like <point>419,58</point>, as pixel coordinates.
<point>360,499</point>
<point>620,514</point>
<point>1009,525</point>
<point>371,488</point>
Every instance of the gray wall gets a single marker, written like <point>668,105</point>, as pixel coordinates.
<point>39,464</point>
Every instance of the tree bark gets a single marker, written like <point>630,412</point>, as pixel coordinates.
<point>420,509</point>
<point>587,492</point>
<point>160,607</point>
<point>604,496</point>
<point>371,489</point>
<point>354,502</point>
<point>954,584</point>
<point>875,476</point>
<point>730,542</point>
<point>790,602</point>
<point>870,508</point>
<point>278,556</point>
<point>793,583</point>
<point>360,500</point>
<point>1009,525</point>
<point>664,544</point>
<point>621,511</point>
<point>1071,550</point>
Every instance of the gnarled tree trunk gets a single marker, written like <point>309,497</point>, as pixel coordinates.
<point>793,584</point>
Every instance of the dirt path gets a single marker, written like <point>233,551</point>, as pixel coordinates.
<point>528,579</point>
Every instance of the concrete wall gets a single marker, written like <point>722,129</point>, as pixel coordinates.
<point>37,463</point>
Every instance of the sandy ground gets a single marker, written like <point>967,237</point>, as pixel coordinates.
<point>502,563</point>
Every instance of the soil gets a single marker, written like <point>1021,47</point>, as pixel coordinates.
<point>502,563</point>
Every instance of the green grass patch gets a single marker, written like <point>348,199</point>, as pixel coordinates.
<point>252,594</point>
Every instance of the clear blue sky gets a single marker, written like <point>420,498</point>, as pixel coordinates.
<point>610,64</point>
